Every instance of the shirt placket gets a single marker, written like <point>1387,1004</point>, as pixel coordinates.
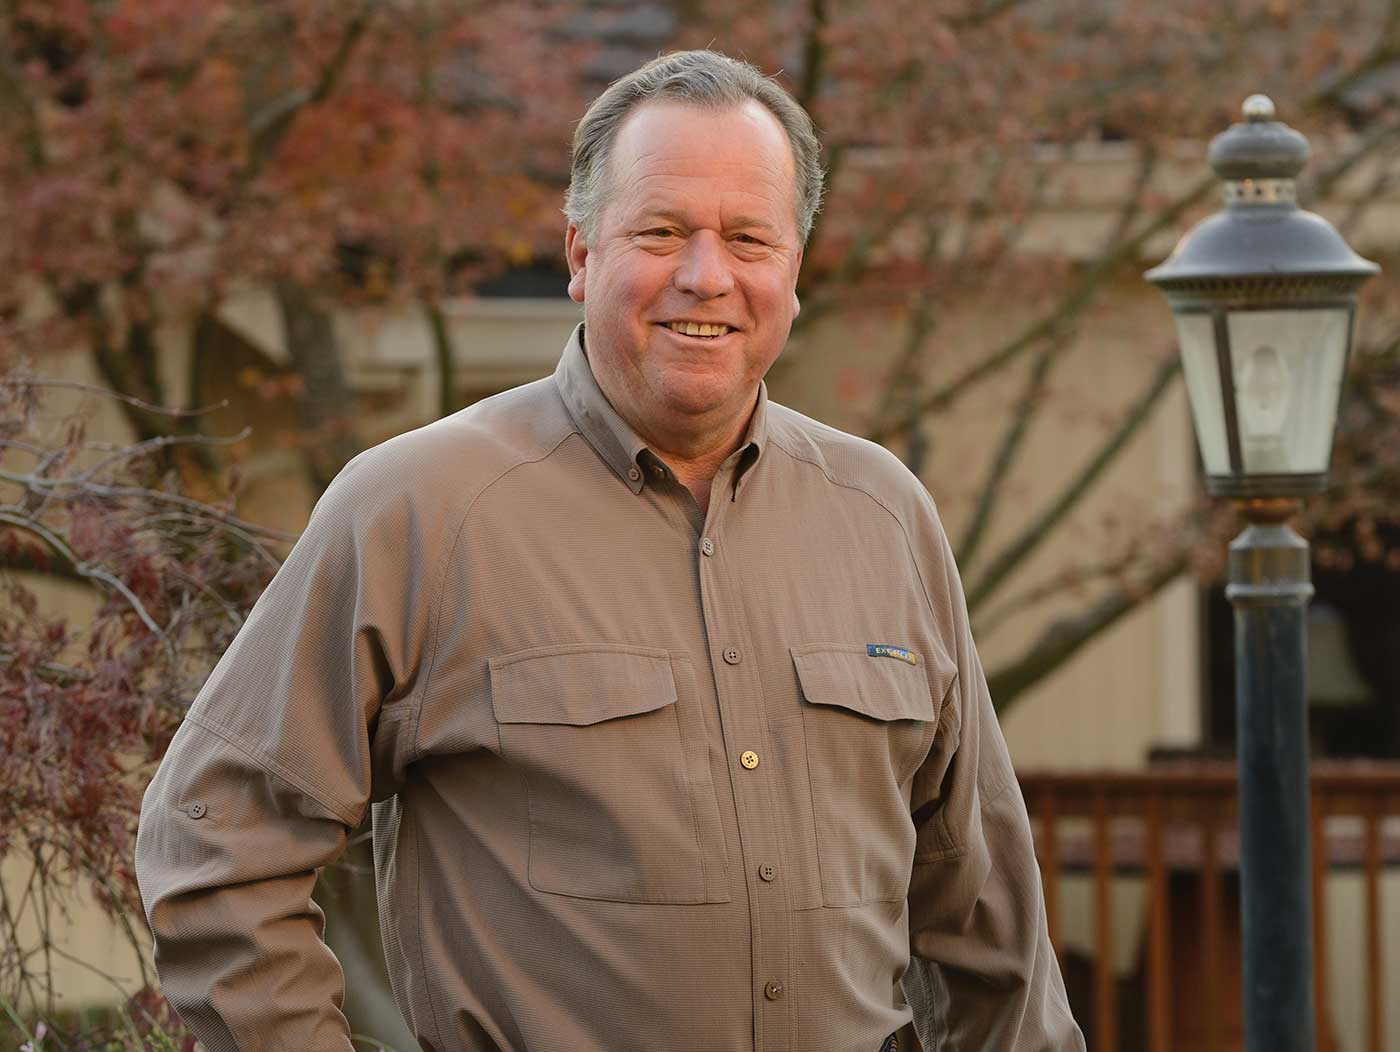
<point>751,770</point>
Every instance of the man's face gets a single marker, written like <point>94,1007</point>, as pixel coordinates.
<point>700,227</point>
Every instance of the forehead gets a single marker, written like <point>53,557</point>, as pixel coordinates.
<point>737,156</point>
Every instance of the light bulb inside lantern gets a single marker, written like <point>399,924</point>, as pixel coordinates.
<point>1263,398</point>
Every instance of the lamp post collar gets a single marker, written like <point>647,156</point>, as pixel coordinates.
<point>1259,159</point>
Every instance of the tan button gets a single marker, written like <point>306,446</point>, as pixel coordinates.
<point>197,810</point>
<point>749,759</point>
<point>707,546</point>
<point>732,656</point>
<point>767,872</point>
<point>773,991</point>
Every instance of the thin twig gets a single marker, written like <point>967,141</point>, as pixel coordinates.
<point>83,569</point>
<point>1034,534</point>
<point>1055,586</point>
<point>979,15</point>
<point>1082,294</point>
<point>97,389</point>
<point>161,442</point>
<point>1072,304</point>
<point>1013,435</point>
<point>155,496</point>
<point>1064,638</point>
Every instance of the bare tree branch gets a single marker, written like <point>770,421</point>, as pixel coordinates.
<point>1017,427</point>
<point>12,91</point>
<point>1065,637</point>
<point>1035,534</point>
<point>1132,204</point>
<point>986,12</point>
<point>1058,584</point>
<point>327,399</point>
<point>1079,297</point>
<point>903,381</point>
<point>117,395</point>
<point>443,355</point>
<point>1385,52</point>
<point>82,569</point>
<point>202,512</point>
<point>813,54</point>
<point>1068,308</point>
<point>271,124</point>
<point>162,442</point>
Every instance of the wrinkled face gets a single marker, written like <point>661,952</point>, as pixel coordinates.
<point>689,280</point>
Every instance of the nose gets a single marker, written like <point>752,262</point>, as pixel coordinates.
<point>703,267</point>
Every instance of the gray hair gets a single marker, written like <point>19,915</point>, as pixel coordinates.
<point>698,78</point>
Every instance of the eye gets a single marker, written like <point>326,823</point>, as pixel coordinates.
<point>748,239</point>
<point>659,232</point>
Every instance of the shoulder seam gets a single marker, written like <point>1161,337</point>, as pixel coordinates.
<point>437,602</point>
<point>923,585</point>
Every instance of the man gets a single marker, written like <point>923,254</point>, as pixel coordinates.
<point>663,695</point>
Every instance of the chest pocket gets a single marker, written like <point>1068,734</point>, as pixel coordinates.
<point>621,802</point>
<point>868,723</point>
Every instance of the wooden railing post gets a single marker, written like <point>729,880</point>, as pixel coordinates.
<point>1105,994</point>
<point>1375,961</point>
<point>1159,1035</point>
<point>1143,821</point>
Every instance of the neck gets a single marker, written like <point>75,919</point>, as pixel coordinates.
<point>697,459</point>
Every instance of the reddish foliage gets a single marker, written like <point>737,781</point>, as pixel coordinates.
<point>88,704</point>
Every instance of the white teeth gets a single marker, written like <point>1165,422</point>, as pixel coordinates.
<point>695,328</point>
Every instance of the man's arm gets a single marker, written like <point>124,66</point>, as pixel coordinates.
<point>983,976</point>
<point>300,725</point>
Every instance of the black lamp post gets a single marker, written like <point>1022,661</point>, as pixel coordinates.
<point>1264,296</point>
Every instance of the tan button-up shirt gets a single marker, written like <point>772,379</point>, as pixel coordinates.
<point>641,778</point>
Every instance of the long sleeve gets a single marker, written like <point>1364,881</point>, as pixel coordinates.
<point>300,725</point>
<point>983,976</point>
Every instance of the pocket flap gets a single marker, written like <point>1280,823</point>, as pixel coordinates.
<point>580,685</point>
<point>880,687</point>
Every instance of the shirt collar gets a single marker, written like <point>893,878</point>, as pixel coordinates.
<point>611,435</point>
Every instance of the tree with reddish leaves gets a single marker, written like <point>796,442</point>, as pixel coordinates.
<point>88,705</point>
<point>161,156</point>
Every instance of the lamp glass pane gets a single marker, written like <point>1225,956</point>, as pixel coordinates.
<point>1287,367</point>
<point>1196,334</point>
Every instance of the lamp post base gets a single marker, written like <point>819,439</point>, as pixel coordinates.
<point>1270,587</point>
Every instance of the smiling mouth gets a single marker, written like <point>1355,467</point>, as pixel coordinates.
<point>703,330</point>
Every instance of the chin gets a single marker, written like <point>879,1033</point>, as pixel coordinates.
<point>696,399</point>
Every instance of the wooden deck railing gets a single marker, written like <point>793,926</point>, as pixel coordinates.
<point>1175,825</point>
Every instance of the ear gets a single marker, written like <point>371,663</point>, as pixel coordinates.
<point>576,253</point>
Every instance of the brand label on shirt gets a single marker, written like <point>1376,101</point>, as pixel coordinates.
<point>886,650</point>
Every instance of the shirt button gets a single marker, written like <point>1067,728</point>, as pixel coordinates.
<point>773,991</point>
<point>749,759</point>
<point>767,872</point>
<point>633,474</point>
<point>731,656</point>
<point>197,810</point>
<point>707,546</point>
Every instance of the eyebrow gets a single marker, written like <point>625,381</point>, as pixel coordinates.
<point>676,217</point>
